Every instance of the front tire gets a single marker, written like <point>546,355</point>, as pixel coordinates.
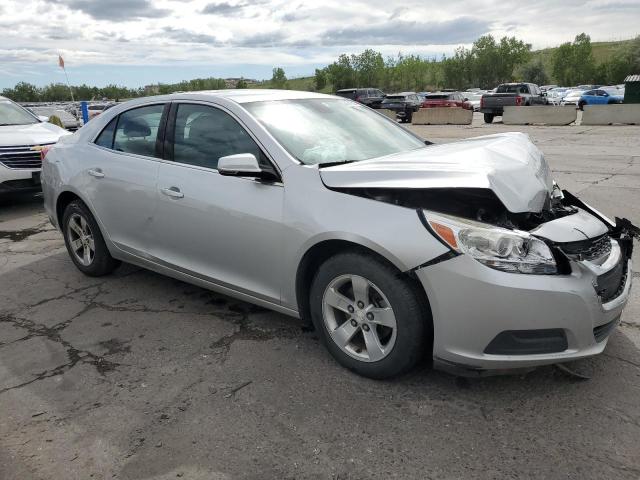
<point>371,320</point>
<point>84,241</point>
<point>488,118</point>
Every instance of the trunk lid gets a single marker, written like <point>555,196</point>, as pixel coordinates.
<point>508,164</point>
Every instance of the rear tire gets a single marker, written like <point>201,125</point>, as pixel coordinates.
<point>385,344</point>
<point>84,241</point>
<point>488,117</point>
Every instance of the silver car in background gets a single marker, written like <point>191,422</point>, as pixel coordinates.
<point>321,208</point>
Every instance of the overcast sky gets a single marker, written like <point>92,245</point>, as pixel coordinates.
<point>137,42</point>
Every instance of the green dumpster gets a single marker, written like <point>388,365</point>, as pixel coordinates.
<point>632,89</point>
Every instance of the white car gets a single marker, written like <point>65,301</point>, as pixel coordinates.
<point>22,135</point>
<point>572,97</point>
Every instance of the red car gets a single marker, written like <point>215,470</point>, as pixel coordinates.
<point>446,99</point>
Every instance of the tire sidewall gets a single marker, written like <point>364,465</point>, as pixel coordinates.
<point>413,329</point>
<point>102,262</point>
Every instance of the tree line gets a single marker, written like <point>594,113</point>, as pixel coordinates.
<point>487,63</point>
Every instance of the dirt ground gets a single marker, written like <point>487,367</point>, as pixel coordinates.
<point>138,376</point>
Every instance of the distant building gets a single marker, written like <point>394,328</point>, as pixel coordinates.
<point>232,82</point>
<point>151,89</point>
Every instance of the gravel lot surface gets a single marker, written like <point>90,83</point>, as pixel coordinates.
<point>138,376</point>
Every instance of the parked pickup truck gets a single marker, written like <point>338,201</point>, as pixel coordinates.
<point>510,94</point>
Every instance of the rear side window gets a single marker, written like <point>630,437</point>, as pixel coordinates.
<point>137,130</point>
<point>105,139</point>
<point>203,134</point>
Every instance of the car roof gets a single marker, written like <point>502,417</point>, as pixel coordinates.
<point>249,95</point>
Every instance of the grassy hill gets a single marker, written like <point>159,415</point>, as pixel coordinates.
<point>601,51</point>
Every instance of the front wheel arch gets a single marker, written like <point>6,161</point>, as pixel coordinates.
<point>317,254</point>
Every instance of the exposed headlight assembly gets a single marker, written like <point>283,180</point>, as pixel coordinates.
<point>499,248</point>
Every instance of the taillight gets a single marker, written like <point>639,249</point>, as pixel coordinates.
<point>481,102</point>
<point>358,99</point>
<point>518,101</point>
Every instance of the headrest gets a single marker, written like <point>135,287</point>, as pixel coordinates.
<point>136,127</point>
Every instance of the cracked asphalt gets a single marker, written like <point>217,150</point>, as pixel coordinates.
<point>138,376</point>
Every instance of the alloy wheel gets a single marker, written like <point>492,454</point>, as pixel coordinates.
<point>80,239</point>
<point>359,318</point>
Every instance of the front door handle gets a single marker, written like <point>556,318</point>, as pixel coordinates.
<point>96,172</point>
<point>173,192</point>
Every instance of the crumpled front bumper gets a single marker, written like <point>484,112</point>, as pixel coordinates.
<point>472,304</point>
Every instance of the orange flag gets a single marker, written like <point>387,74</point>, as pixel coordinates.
<point>60,61</point>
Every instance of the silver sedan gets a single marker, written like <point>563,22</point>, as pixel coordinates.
<point>321,208</point>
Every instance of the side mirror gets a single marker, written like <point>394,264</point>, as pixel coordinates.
<point>243,165</point>
<point>466,99</point>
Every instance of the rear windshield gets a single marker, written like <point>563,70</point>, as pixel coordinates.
<point>439,96</point>
<point>346,93</point>
<point>512,89</point>
<point>395,97</point>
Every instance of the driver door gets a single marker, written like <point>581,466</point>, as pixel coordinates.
<point>221,228</point>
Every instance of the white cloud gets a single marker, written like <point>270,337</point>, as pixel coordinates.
<point>282,32</point>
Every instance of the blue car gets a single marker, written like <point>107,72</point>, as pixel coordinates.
<point>598,97</point>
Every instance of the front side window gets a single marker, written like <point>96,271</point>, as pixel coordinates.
<point>13,114</point>
<point>203,134</point>
<point>137,130</point>
<point>320,130</point>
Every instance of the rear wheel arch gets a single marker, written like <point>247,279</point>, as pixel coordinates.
<point>317,254</point>
<point>64,199</point>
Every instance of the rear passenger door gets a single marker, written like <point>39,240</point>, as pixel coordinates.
<point>220,228</point>
<point>121,173</point>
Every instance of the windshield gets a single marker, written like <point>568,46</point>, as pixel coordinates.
<point>319,130</point>
<point>13,114</point>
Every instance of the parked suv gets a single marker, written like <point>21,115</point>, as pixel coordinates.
<point>320,208</point>
<point>404,104</point>
<point>22,134</point>
<point>446,99</point>
<point>371,97</point>
<point>510,94</point>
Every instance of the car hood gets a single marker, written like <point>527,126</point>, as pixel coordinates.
<point>508,164</point>
<point>34,134</point>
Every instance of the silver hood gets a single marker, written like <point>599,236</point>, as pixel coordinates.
<point>508,163</point>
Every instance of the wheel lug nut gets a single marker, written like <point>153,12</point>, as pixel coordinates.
<point>369,316</point>
<point>350,308</point>
<point>360,305</point>
<point>354,323</point>
<point>365,327</point>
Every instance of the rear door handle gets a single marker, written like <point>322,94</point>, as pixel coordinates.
<point>173,192</point>
<point>96,172</point>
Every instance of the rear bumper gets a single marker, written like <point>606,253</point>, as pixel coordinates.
<point>473,304</point>
<point>494,111</point>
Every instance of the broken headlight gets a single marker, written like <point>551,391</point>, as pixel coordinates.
<point>499,248</point>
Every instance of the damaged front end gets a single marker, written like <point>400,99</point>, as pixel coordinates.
<point>563,235</point>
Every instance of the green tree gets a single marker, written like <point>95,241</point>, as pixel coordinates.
<point>320,79</point>
<point>534,72</point>
<point>279,79</point>
<point>341,73</point>
<point>241,83</point>
<point>22,92</point>
<point>573,63</point>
